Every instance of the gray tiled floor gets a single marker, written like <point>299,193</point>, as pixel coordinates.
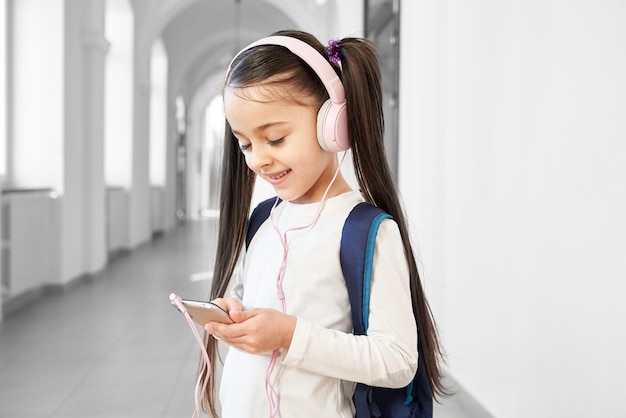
<point>113,346</point>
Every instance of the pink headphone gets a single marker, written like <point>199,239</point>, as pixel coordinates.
<point>332,119</point>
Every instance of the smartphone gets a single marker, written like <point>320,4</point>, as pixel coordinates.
<point>205,312</point>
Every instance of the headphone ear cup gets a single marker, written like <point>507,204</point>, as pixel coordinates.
<point>332,127</point>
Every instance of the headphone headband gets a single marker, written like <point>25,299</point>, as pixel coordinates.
<point>313,58</point>
<point>332,118</point>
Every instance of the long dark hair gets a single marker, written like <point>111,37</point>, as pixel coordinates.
<point>360,74</point>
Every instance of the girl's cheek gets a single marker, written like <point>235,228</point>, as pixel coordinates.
<point>248,163</point>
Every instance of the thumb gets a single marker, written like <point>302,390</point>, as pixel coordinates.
<point>238,316</point>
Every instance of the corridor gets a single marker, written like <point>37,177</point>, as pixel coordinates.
<point>111,346</point>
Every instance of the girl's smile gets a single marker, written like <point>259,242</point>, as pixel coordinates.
<point>278,178</point>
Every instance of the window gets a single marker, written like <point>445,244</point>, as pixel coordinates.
<point>118,117</point>
<point>158,114</point>
<point>37,94</point>
<point>3,88</point>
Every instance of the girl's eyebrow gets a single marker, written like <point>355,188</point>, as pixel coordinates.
<point>262,128</point>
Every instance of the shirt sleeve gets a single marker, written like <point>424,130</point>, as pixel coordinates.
<point>387,356</point>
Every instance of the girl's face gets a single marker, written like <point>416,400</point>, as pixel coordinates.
<point>279,141</point>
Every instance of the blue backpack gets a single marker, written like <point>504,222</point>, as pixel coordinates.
<point>358,240</point>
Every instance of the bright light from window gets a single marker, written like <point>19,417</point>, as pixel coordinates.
<point>214,123</point>
<point>119,95</point>
<point>181,116</point>
<point>158,114</point>
<point>211,155</point>
<point>3,88</point>
<point>37,95</point>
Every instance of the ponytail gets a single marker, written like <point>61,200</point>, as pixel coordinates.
<point>361,80</point>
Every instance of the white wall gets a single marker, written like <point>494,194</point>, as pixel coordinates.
<point>140,193</point>
<point>515,115</point>
<point>74,147</point>
<point>83,237</point>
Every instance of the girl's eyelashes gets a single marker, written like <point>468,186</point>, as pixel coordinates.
<point>271,143</point>
<point>276,142</point>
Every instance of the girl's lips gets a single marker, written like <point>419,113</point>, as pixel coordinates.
<point>278,177</point>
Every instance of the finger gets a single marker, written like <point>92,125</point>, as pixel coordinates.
<point>212,328</point>
<point>233,304</point>
<point>225,332</point>
<point>238,316</point>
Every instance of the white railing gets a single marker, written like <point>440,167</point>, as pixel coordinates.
<point>30,240</point>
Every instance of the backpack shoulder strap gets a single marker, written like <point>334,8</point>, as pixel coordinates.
<point>258,216</point>
<point>358,240</point>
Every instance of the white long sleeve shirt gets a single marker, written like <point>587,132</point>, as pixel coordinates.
<point>315,377</point>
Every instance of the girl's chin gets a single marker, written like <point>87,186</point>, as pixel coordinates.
<point>298,200</point>
<point>284,195</point>
<point>287,196</point>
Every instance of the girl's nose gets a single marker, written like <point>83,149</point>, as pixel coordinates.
<point>258,158</point>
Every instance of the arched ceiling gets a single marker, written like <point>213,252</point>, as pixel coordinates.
<point>202,38</point>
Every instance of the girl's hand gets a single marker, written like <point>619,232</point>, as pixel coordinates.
<point>255,331</point>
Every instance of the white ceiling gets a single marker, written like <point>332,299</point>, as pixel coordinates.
<point>201,36</point>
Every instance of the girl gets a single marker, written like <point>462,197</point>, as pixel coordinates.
<point>292,352</point>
